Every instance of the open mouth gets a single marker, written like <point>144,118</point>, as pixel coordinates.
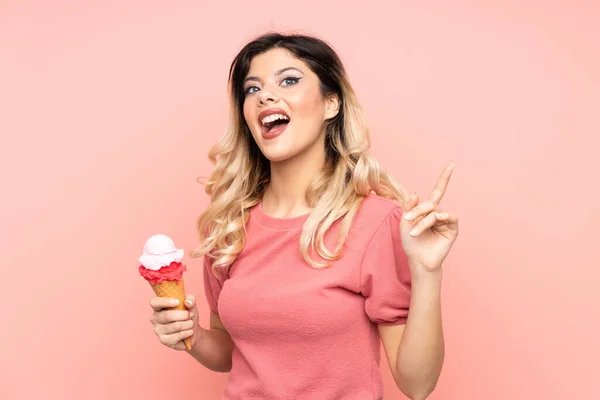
<point>273,122</point>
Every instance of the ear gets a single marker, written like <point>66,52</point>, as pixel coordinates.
<point>332,106</point>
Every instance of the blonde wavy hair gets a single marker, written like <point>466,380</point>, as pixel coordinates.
<point>242,172</point>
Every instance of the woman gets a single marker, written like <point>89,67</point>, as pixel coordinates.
<point>312,253</point>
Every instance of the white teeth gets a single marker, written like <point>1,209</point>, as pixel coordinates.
<point>274,117</point>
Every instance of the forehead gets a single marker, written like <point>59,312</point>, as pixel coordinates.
<point>273,60</point>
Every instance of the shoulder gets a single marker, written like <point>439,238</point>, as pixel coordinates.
<point>374,211</point>
<point>378,208</point>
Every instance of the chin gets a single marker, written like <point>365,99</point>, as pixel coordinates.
<point>278,150</point>
<point>278,156</point>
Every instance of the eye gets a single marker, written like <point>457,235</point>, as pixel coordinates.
<point>250,89</point>
<point>290,80</point>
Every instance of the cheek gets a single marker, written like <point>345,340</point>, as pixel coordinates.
<point>306,104</point>
<point>246,111</point>
<point>250,117</point>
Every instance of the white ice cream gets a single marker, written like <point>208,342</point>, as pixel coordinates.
<point>160,251</point>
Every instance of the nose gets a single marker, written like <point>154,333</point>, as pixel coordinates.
<point>267,94</point>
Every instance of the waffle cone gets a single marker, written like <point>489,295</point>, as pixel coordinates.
<point>175,290</point>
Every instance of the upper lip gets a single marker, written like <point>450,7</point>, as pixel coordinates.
<point>271,111</point>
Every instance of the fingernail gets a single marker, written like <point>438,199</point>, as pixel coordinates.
<point>188,302</point>
<point>414,232</point>
<point>409,216</point>
<point>174,302</point>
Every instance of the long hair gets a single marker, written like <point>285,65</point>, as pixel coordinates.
<point>242,172</point>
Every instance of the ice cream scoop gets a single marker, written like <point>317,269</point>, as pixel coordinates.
<point>160,251</point>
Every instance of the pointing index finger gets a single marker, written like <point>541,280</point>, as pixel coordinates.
<point>440,187</point>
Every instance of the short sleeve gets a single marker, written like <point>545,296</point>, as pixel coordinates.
<point>212,286</point>
<point>385,274</point>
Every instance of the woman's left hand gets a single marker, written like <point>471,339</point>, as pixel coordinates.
<point>427,232</point>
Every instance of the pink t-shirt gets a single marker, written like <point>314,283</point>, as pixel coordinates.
<point>306,333</point>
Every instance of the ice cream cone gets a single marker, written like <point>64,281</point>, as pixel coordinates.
<point>175,290</point>
<point>162,268</point>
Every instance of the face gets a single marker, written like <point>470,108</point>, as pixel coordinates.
<point>284,107</point>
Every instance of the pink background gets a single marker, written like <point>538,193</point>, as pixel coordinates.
<point>107,111</point>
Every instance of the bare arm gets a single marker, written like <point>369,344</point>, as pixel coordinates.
<point>214,346</point>
<point>415,351</point>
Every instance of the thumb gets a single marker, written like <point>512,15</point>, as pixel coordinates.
<point>190,301</point>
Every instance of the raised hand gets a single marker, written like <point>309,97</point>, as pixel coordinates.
<point>427,232</point>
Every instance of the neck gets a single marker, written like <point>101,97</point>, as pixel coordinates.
<point>285,197</point>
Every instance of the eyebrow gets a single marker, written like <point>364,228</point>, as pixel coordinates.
<point>281,71</point>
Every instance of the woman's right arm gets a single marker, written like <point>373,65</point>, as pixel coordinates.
<point>214,346</point>
<point>210,347</point>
